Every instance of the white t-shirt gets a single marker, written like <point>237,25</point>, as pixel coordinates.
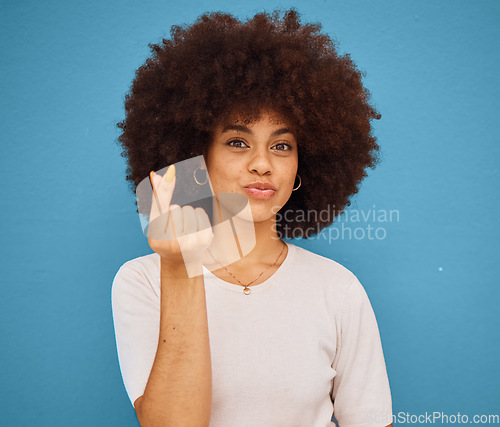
<point>302,345</point>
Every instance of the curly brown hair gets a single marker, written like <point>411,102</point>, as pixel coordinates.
<point>194,81</point>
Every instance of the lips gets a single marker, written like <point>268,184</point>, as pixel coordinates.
<point>260,185</point>
<point>260,190</point>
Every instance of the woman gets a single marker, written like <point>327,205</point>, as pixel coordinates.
<point>281,336</point>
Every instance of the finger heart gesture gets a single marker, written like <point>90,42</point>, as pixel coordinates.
<point>178,234</point>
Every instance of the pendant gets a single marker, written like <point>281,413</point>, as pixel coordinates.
<point>246,290</point>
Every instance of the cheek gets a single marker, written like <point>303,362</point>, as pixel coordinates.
<point>290,173</point>
<point>219,176</point>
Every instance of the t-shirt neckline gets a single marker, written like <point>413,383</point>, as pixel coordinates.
<point>261,286</point>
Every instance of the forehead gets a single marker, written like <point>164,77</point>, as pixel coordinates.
<point>271,118</point>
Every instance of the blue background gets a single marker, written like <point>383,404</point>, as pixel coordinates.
<point>69,220</point>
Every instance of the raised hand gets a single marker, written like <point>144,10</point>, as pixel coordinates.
<point>180,235</point>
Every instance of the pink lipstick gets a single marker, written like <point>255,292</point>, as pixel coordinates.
<point>260,190</point>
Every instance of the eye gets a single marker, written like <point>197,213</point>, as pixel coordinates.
<point>282,146</point>
<point>238,143</point>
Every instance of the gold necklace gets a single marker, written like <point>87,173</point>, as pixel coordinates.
<point>246,289</point>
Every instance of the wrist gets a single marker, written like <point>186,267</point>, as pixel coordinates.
<point>170,268</point>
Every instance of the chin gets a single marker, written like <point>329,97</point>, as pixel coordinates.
<point>264,213</point>
<point>253,213</point>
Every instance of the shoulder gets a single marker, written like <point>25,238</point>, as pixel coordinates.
<point>147,264</point>
<point>322,270</point>
<point>140,274</point>
<point>319,265</point>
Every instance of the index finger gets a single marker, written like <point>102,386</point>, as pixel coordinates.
<point>163,188</point>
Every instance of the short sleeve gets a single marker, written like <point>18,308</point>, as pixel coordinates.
<point>136,317</point>
<point>361,395</point>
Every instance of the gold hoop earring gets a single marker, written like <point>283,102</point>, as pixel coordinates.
<point>196,180</point>
<point>300,183</point>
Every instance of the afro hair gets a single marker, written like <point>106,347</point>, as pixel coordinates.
<point>205,72</point>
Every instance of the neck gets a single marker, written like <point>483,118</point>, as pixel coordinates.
<point>255,243</point>
<point>267,243</point>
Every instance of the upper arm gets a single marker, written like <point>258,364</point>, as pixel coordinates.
<point>137,404</point>
<point>361,392</point>
<point>136,314</point>
<point>137,407</point>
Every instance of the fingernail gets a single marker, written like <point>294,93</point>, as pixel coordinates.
<point>169,176</point>
<point>152,176</point>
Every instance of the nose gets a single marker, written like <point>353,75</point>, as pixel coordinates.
<point>260,163</point>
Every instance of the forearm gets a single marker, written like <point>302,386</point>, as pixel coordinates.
<point>179,389</point>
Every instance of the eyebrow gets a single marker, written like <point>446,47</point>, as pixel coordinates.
<point>244,129</point>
